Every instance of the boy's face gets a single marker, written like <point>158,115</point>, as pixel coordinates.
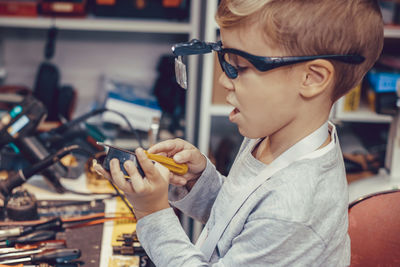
<point>264,101</point>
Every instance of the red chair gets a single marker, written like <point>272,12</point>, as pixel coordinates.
<point>374,229</point>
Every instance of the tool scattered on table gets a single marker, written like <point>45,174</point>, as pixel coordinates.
<point>53,256</point>
<point>130,245</point>
<point>53,224</point>
<point>30,238</point>
<point>29,252</point>
<point>57,243</point>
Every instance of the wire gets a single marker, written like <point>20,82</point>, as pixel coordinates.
<point>122,198</point>
<point>99,221</point>
<point>77,219</point>
<point>93,113</point>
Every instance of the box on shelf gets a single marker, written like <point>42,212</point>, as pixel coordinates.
<point>352,99</point>
<point>68,8</point>
<point>382,95</point>
<point>382,82</point>
<point>133,98</point>
<point>155,9</point>
<point>140,111</point>
<point>24,8</point>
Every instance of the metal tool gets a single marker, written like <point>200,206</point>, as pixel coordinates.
<point>47,244</point>
<point>28,252</point>
<point>53,256</point>
<point>54,224</point>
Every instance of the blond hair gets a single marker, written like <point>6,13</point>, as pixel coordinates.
<point>315,27</point>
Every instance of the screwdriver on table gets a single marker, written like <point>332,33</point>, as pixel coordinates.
<point>30,238</point>
<point>53,224</point>
<point>28,252</point>
<point>53,256</point>
<point>43,264</point>
<point>37,245</point>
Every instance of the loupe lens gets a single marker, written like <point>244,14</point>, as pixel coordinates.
<point>180,72</point>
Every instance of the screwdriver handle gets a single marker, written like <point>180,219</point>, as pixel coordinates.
<point>53,224</point>
<point>169,163</point>
<point>41,244</point>
<point>31,238</point>
<point>57,256</point>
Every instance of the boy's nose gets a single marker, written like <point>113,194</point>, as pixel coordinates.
<point>225,82</point>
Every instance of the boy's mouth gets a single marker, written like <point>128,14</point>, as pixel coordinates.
<point>233,113</point>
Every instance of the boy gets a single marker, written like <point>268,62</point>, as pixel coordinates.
<point>285,200</point>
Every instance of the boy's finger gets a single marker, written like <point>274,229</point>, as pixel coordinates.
<point>162,170</point>
<point>100,170</point>
<point>185,156</point>
<point>146,164</point>
<point>117,175</point>
<point>161,147</point>
<point>170,147</point>
<point>137,180</point>
<point>177,181</point>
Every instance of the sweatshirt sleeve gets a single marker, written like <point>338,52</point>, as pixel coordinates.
<point>198,202</point>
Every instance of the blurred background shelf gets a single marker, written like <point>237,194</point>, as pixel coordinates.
<point>99,24</point>
<point>362,114</point>
<point>392,31</point>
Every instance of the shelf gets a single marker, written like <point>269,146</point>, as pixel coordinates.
<point>363,114</point>
<point>392,31</point>
<point>99,24</point>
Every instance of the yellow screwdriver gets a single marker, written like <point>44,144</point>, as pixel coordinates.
<point>169,163</point>
<point>124,154</point>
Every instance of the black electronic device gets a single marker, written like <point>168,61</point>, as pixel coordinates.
<point>58,99</point>
<point>122,155</point>
<point>18,127</point>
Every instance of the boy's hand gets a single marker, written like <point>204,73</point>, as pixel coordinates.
<point>182,152</point>
<point>146,194</point>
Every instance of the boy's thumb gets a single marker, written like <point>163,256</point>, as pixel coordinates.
<point>183,156</point>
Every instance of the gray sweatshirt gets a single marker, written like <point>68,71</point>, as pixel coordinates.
<point>296,218</point>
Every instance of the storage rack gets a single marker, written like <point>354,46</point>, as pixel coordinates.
<point>191,29</point>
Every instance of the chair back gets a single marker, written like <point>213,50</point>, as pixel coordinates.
<point>374,230</point>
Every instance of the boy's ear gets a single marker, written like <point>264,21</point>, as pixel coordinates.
<point>318,77</point>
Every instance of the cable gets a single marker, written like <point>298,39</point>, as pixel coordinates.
<point>93,113</point>
<point>122,198</point>
<point>76,219</point>
<point>99,221</point>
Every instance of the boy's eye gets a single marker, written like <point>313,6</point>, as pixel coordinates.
<point>237,62</point>
<point>241,68</point>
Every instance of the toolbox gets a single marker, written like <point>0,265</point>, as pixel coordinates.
<point>155,9</point>
<point>25,8</point>
<point>65,8</point>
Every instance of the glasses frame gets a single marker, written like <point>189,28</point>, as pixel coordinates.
<point>268,63</point>
<point>197,47</point>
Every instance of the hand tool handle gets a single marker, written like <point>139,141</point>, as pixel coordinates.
<point>169,163</point>
<point>31,238</point>
<point>57,256</point>
<point>53,224</point>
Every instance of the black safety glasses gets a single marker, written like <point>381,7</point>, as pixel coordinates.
<point>232,61</point>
